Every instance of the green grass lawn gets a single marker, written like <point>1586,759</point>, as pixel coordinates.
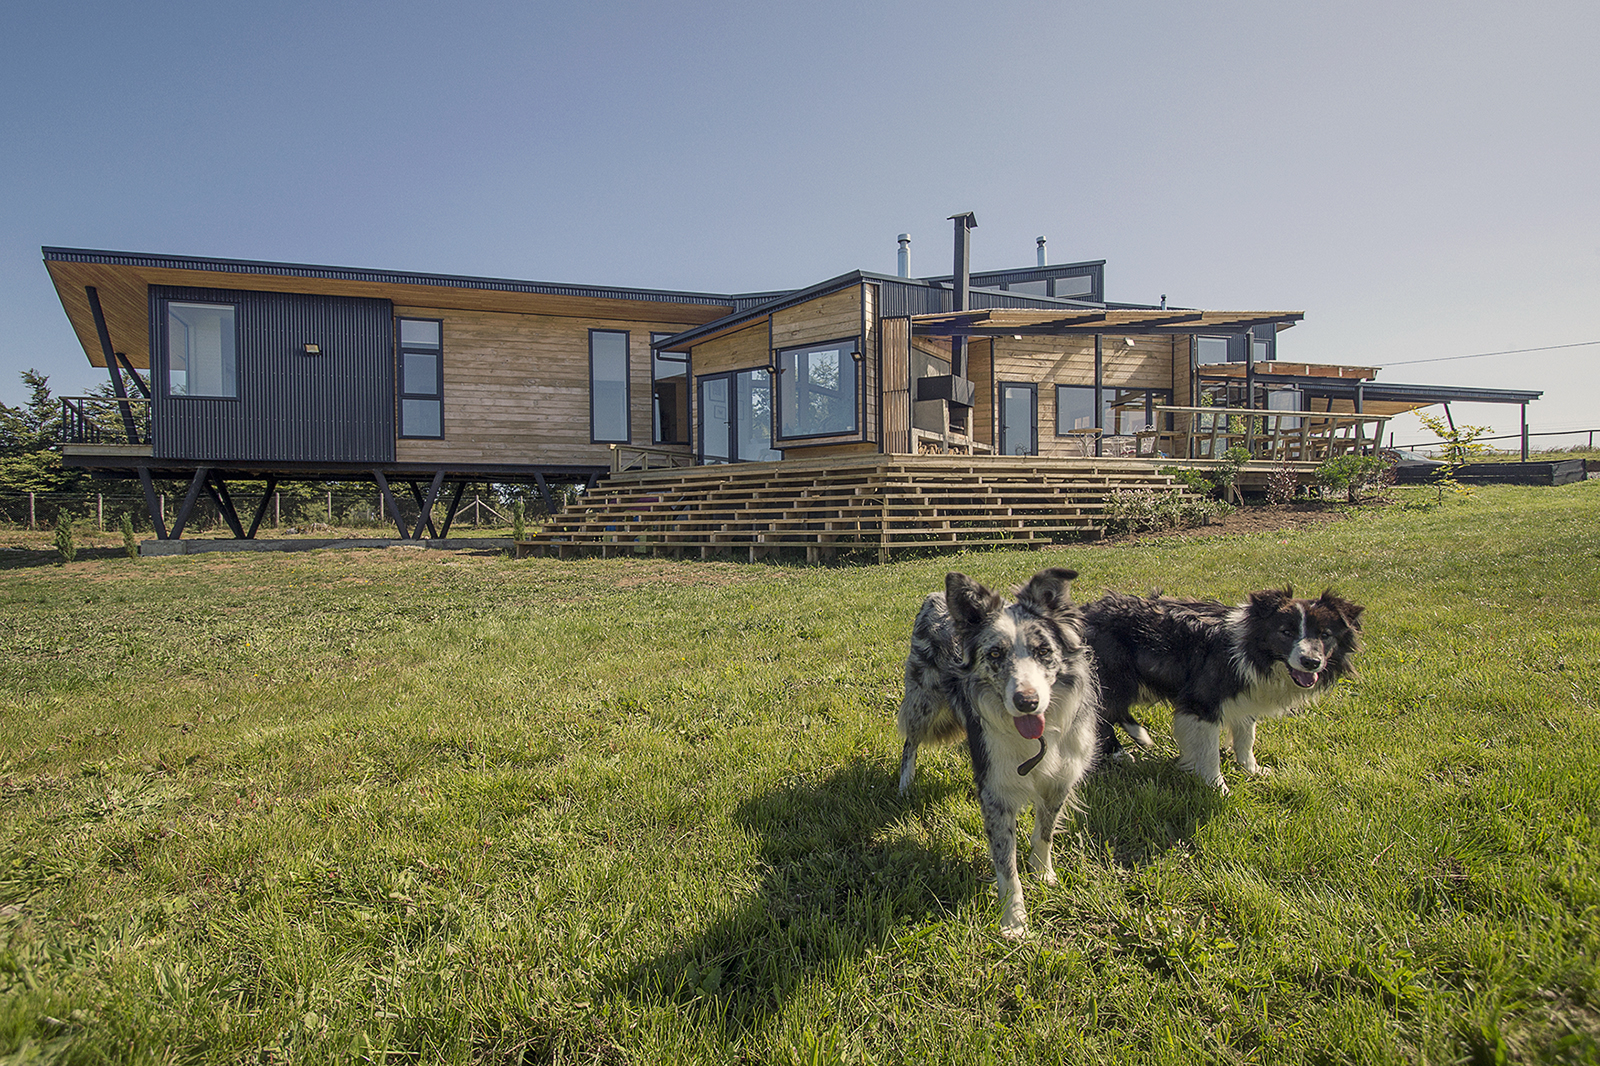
<point>412,806</point>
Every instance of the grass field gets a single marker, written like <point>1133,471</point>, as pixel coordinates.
<point>412,806</point>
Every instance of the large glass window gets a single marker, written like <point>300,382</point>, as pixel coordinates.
<point>421,377</point>
<point>669,393</point>
<point>817,390</point>
<point>1019,406</point>
<point>202,350</point>
<point>608,386</point>
<point>1123,412</point>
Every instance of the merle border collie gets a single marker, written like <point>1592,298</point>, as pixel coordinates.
<point>1016,681</point>
<point>1219,666</point>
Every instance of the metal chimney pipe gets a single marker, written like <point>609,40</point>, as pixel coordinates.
<point>905,255</point>
<point>1042,260</point>
<point>965,222</point>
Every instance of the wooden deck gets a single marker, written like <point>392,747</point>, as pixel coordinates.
<point>871,506</point>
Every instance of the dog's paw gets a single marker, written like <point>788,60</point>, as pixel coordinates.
<point>1014,930</point>
<point>1258,770</point>
<point>1219,784</point>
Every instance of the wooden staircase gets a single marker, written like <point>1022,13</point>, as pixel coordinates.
<point>869,505</point>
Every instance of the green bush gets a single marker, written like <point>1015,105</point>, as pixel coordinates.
<point>1354,475</point>
<point>66,547</point>
<point>1151,510</point>
<point>130,545</point>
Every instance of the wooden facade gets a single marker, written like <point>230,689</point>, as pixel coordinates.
<point>854,367</point>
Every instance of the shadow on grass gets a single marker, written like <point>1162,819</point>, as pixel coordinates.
<point>832,886</point>
<point>1136,812</point>
<point>30,558</point>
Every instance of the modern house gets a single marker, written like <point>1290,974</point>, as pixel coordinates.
<point>237,370</point>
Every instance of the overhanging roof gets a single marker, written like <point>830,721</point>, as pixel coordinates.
<point>1050,323</point>
<point>1388,391</point>
<point>122,280</point>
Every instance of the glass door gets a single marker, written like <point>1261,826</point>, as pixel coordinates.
<point>736,417</point>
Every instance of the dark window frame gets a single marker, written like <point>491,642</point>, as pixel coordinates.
<point>627,388</point>
<point>402,392</point>
<point>1000,416</point>
<point>852,348</point>
<point>688,380</point>
<point>164,342</point>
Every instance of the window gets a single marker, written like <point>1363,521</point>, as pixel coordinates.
<point>1211,350</point>
<point>1074,408</point>
<point>1284,400</point>
<point>1019,405</point>
<point>669,393</point>
<point>1123,412</point>
<point>608,386</point>
<point>421,377</point>
<point>817,390</point>
<point>1129,411</point>
<point>202,350</point>
<point>1231,349</point>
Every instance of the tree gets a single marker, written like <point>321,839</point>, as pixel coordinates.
<point>29,457</point>
<point>1461,444</point>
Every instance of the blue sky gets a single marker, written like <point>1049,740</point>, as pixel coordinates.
<point>1420,178</point>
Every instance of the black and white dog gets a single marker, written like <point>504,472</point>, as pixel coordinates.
<point>1219,666</point>
<point>1015,680</point>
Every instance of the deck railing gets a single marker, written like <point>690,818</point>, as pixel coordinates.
<point>637,457</point>
<point>105,420</point>
<point>1295,436</point>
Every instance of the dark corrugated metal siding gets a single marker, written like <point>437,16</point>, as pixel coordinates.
<point>292,407</point>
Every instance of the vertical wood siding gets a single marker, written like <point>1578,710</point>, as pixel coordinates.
<point>895,345</point>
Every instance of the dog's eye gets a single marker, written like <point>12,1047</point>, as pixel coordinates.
<point>994,655</point>
<point>1042,652</point>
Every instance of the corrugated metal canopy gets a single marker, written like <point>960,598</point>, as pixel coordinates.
<point>1003,323</point>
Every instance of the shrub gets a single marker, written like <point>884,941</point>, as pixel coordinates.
<point>1354,475</point>
<point>1152,510</point>
<point>517,527</point>
<point>130,545</point>
<point>1282,484</point>
<point>66,548</point>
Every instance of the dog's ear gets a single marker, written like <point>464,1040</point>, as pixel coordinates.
<point>970,604</point>
<point>1049,593</point>
<point>1350,612</point>
<point>1268,602</point>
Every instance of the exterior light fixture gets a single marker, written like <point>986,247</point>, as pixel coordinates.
<point>313,349</point>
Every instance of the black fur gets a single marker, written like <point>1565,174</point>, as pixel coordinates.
<point>1218,665</point>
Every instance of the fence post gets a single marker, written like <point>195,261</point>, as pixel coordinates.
<point>32,521</point>
<point>277,509</point>
<point>102,510</point>
<point>161,507</point>
<point>330,507</point>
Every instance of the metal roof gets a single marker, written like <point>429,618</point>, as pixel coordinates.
<point>385,277</point>
<point>1090,320</point>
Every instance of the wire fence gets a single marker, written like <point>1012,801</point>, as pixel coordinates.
<point>290,511</point>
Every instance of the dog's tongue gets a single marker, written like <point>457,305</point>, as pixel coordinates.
<point>1301,678</point>
<point>1031,726</point>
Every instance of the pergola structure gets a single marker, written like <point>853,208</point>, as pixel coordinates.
<point>1327,383</point>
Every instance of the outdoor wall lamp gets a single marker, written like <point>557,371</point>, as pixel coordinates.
<point>313,349</point>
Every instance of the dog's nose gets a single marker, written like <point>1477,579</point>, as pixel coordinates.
<point>1312,663</point>
<point>1027,700</point>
